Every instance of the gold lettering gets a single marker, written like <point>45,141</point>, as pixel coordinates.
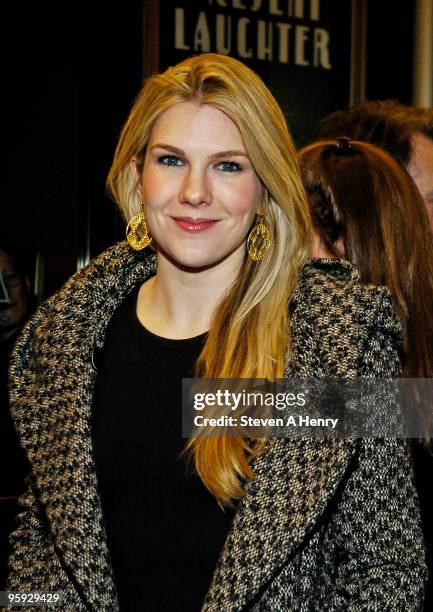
<point>273,8</point>
<point>296,8</point>
<point>242,38</point>
<point>201,34</point>
<point>301,37</point>
<point>321,49</point>
<point>315,10</point>
<point>223,34</point>
<point>283,54</point>
<point>179,30</point>
<point>299,9</point>
<point>264,40</point>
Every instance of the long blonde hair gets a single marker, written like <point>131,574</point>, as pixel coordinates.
<point>249,334</point>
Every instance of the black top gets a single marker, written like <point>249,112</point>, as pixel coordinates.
<point>164,529</point>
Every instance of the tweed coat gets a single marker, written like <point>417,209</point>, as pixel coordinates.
<point>325,524</point>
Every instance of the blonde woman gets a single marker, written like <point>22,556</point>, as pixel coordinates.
<point>206,175</point>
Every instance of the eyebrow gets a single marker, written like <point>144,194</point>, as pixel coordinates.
<point>219,155</point>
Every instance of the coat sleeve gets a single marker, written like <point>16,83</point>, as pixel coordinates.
<point>33,564</point>
<point>381,554</point>
<point>29,557</point>
<point>29,551</point>
<point>381,549</point>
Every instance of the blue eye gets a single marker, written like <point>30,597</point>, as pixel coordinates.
<point>227,166</point>
<point>170,160</point>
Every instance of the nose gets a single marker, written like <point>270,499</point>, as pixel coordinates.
<point>195,189</point>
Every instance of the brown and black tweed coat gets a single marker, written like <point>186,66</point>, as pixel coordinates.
<point>325,525</point>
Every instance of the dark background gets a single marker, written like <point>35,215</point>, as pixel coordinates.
<point>305,93</point>
<point>71,72</point>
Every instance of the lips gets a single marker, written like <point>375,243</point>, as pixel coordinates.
<point>188,224</point>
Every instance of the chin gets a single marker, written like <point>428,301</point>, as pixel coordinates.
<point>194,261</point>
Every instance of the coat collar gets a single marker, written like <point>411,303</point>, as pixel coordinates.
<point>268,524</point>
<point>52,379</point>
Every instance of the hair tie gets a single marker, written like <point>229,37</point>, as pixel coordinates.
<point>344,143</point>
<point>341,148</point>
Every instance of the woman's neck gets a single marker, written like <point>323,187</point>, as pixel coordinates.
<point>180,303</point>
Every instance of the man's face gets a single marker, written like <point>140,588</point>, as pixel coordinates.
<point>421,170</point>
<point>12,314</point>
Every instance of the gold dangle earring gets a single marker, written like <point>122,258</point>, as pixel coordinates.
<point>137,233</point>
<point>259,240</point>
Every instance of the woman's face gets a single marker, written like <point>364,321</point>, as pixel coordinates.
<point>199,188</point>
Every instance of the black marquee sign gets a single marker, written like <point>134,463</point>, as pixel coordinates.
<point>303,49</point>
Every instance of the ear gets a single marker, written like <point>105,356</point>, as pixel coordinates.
<point>134,169</point>
<point>261,201</point>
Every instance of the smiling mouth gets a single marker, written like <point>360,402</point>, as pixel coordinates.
<point>191,225</point>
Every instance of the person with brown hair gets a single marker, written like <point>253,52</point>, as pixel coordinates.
<point>366,209</point>
<point>213,280</point>
<point>405,132</point>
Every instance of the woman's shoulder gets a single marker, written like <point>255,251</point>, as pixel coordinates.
<point>339,321</point>
<point>115,268</point>
<point>332,287</point>
<point>84,302</point>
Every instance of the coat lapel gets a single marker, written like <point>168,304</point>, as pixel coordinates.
<point>295,478</point>
<point>58,436</point>
<point>294,482</point>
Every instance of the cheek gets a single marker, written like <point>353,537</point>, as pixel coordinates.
<point>150,188</point>
<point>245,198</point>
<point>16,294</point>
<point>158,191</point>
